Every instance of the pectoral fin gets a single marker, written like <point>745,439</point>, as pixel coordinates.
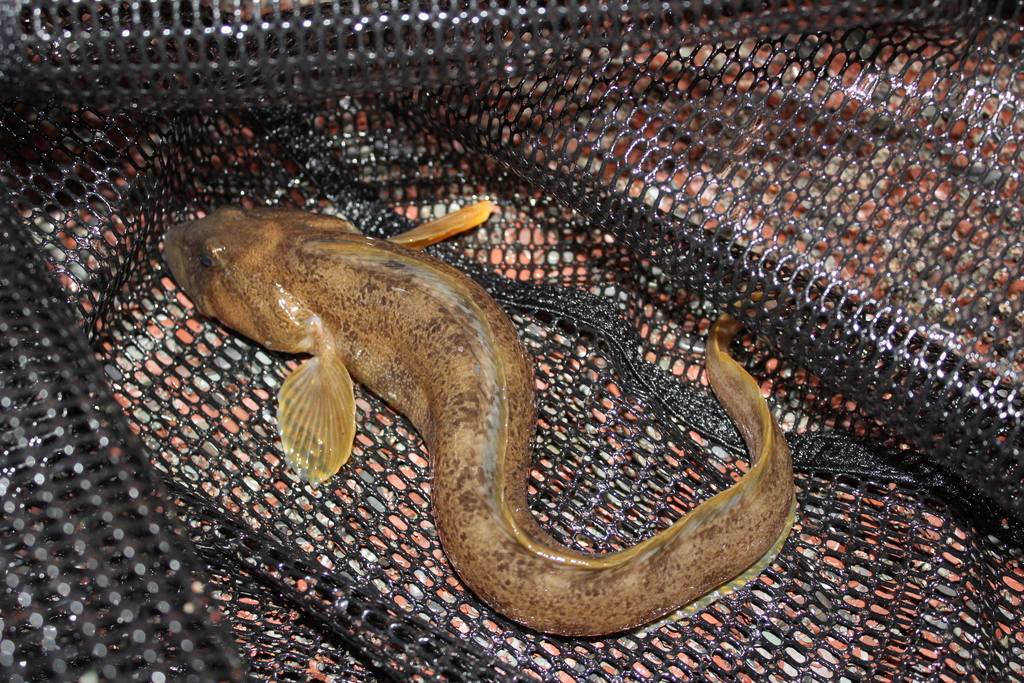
<point>434,231</point>
<point>316,414</point>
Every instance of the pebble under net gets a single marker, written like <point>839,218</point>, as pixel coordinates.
<point>843,177</point>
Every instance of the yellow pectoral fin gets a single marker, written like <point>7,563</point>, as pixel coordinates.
<point>316,413</point>
<point>434,231</point>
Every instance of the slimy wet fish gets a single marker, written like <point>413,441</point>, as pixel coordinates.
<point>436,347</point>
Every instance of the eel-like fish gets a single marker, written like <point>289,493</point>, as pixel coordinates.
<point>435,346</point>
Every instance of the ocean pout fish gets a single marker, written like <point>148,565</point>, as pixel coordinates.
<point>434,345</point>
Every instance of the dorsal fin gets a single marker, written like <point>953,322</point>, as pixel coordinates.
<point>434,231</point>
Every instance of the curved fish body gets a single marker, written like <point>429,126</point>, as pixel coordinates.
<point>435,346</point>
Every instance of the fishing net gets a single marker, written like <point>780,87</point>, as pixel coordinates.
<point>843,177</point>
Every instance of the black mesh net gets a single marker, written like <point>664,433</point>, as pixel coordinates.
<point>843,177</point>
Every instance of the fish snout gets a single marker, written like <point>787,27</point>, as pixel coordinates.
<point>179,258</point>
<point>173,244</point>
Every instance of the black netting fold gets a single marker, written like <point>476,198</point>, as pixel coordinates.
<point>96,581</point>
<point>844,177</point>
<point>161,53</point>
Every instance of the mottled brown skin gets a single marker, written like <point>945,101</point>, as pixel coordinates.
<point>416,332</point>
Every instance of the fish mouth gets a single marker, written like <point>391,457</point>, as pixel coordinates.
<point>175,241</point>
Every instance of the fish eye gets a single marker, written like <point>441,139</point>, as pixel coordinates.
<point>210,253</point>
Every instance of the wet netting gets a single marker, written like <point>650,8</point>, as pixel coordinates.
<point>843,177</point>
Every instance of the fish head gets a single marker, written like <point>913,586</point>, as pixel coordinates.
<point>234,265</point>
<point>197,255</point>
